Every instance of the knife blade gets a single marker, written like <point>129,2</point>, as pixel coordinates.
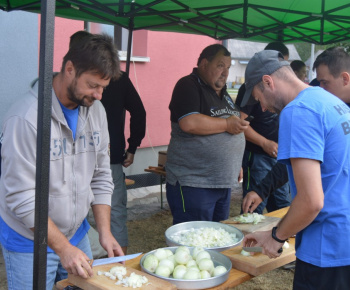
<point>258,249</point>
<point>253,249</point>
<point>114,259</point>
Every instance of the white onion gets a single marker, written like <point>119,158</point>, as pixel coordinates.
<point>196,250</point>
<point>172,258</point>
<point>151,263</point>
<point>179,271</point>
<point>245,253</point>
<point>191,274</point>
<point>205,264</point>
<point>168,263</point>
<point>205,237</point>
<point>163,271</point>
<point>201,255</point>
<point>169,253</point>
<point>118,271</point>
<point>160,254</point>
<point>191,263</point>
<point>183,248</point>
<point>182,257</point>
<point>219,270</point>
<point>205,274</point>
<point>285,245</point>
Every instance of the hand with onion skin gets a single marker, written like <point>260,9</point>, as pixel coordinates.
<point>250,202</point>
<point>263,239</point>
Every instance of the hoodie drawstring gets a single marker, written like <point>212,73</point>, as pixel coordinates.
<point>63,167</point>
<point>93,141</point>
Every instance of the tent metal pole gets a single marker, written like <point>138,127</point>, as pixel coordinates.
<point>128,57</point>
<point>43,142</point>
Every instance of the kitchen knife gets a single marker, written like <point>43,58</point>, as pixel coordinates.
<point>258,249</point>
<point>114,259</point>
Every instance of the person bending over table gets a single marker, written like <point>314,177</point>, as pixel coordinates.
<point>314,143</point>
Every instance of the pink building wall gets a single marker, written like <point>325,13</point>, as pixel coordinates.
<point>172,56</point>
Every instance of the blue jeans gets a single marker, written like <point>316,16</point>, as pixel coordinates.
<point>19,267</point>
<point>198,204</point>
<point>118,207</point>
<point>255,167</point>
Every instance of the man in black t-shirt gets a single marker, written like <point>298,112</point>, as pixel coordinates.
<point>207,141</point>
<point>261,146</point>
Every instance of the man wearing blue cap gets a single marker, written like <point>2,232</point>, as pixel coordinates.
<point>313,123</point>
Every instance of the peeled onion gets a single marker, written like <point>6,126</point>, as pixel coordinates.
<point>192,274</point>
<point>160,254</point>
<point>205,274</point>
<point>206,264</point>
<point>219,270</point>
<point>151,263</point>
<point>183,248</point>
<point>168,263</point>
<point>182,257</point>
<point>163,271</point>
<point>195,251</point>
<point>179,271</point>
<point>202,255</point>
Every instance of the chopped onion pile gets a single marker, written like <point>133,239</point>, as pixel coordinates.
<point>119,272</point>
<point>248,218</point>
<point>205,237</point>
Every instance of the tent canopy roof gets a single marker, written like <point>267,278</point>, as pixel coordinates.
<point>314,21</point>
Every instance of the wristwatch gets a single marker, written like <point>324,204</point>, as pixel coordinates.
<point>275,237</point>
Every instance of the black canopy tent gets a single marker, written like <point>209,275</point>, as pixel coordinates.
<point>313,21</point>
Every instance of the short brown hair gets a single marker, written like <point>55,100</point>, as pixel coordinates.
<point>96,54</point>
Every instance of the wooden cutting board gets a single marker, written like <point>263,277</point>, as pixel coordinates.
<point>258,263</point>
<point>266,224</point>
<point>104,283</point>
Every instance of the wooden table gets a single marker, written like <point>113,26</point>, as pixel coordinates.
<point>235,278</point>
<point>162,174</point>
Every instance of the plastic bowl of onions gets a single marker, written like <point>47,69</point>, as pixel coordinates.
<point>187,267</point>
<point>208,235</point>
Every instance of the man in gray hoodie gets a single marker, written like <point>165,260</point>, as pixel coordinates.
<point>80,174</point>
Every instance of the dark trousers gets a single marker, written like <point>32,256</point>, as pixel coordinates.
<point>310,277</point>
<point>198,204</point>
<point>255,167</point>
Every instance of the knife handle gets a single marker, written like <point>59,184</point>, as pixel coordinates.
<point>280,250</point>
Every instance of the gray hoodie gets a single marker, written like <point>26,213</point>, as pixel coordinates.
<point>80,174</point>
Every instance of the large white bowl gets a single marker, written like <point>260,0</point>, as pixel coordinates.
<point>218,259</point>
<point>187,226</point>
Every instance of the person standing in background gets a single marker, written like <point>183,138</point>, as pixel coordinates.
<point>205,152</point>
<point>261,147</point>
<point>299,68</point>
<point>120,95</point>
